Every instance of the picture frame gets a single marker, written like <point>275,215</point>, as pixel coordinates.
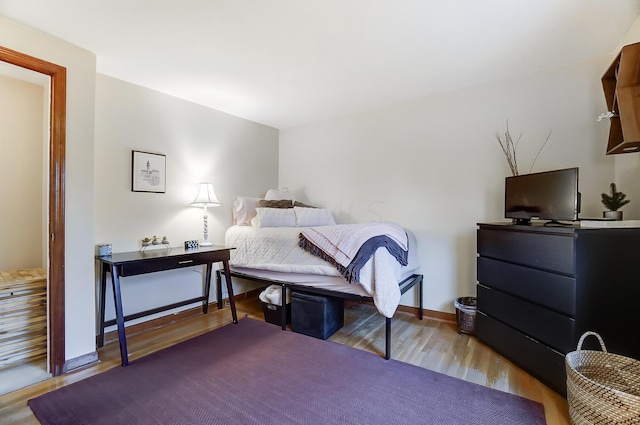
<point>148,172</point>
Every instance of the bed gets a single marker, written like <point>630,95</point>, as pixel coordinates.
<point>268,250</point>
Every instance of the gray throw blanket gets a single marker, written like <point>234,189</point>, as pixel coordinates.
<point>351,272</point>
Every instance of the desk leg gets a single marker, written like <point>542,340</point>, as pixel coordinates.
<point>219,288</point>
<point>103,292</point>
<point>232,301</point>
<point>207,287</point>
<point>117,298</point>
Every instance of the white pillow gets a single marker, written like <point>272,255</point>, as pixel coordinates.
<point>278,194</point>
<point>274,217</point>
<point>306,217</point>
<point>244,209</point>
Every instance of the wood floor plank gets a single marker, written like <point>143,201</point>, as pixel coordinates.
<point>432,344</point>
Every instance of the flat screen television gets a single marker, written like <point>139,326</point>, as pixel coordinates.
<point>550,195</point>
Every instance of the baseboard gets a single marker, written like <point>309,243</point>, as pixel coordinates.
<point>197,311</point>
<point>440,316</point>
<point>175,317</point>
<point>81,361</point>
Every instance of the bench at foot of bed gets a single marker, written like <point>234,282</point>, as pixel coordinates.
<point>405,285</point>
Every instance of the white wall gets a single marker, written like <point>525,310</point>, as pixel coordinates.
<point>434,165</point>
<point>22,164</point>
<point>79,267</point>
<point>239,157</point>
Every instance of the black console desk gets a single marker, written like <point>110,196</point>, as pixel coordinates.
<point>141,262</point>
<point>540,288</point>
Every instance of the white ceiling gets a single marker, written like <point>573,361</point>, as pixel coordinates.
<point>289,62</point>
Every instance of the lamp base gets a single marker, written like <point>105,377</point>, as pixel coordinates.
<point>206,243</point>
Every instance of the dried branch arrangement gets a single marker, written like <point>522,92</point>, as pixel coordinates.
<point>509,148</point>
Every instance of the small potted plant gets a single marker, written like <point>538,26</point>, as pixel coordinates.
<point>613,203</point>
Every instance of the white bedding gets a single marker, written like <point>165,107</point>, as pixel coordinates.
<point>275,249</point>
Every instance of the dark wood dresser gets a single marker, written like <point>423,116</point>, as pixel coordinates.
<point>540,288</point>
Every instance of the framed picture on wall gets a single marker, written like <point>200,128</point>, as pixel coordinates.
<point>148,172</point>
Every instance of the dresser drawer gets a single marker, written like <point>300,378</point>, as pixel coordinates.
<point>542,251</point>
<point>549,327</point>
<point>539,360</point>
<point>551,290</point>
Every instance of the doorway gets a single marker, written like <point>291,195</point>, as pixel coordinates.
<point>56,223</point>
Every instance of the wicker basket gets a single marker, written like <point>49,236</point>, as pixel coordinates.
<point>466,308</point>
<point>602,388</point>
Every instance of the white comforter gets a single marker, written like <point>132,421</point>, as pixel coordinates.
<point>276,249</point>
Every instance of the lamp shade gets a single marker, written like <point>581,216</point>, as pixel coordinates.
<point>206,196</point>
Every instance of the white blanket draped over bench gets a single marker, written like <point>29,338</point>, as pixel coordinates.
<point>350,246</point>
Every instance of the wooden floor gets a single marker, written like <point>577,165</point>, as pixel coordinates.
<point>429,343</point>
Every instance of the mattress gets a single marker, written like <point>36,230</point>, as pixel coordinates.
<point>273,253</point>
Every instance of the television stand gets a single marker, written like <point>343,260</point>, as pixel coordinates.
<point>540,288</point>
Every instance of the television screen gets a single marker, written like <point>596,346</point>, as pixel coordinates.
<point>551,195</point>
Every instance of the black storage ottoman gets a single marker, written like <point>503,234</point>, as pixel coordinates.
<point>316,315</point>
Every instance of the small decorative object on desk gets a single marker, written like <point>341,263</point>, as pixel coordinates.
<point>191,244</point>
<point>613,203</point>
<point>145,243</point>
<point>602,388</point>
<point>155,241</point>
<point>104,249</point>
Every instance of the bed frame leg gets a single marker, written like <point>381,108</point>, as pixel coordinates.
<point>421,312</point>
<point>387,354</point>
<point>283,309</point>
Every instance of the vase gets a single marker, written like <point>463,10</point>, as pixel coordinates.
<point>613,215</point>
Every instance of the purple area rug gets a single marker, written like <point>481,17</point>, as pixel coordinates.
<point>255,373</point>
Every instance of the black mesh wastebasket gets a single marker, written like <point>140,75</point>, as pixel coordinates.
<point>466,308</point>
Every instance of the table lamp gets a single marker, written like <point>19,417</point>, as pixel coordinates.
<point>206,198</point>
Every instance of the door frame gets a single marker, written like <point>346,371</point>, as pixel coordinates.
<point>56,230</point>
